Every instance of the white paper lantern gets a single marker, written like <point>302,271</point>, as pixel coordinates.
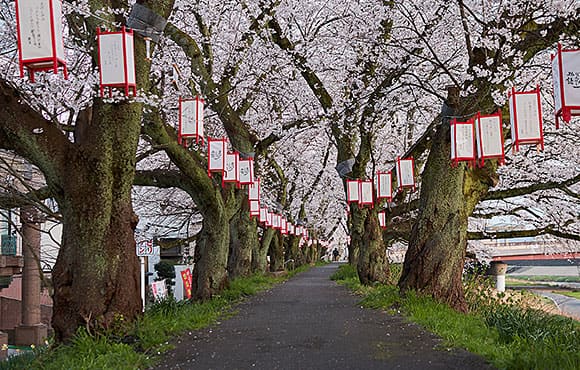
<point>366,193</point>
<point>382,219</point>
<point>352,191</point>
<point>298,231</point>
<point>254,208</point>
<point>231,168</point>
<point>489,136</point>
<point>117,61</point>
<point>40,41</point>
<point>406,173</point>
<point>566,77</point>
<point>246,171</point>
<point>263,215</point>
<point>462,142</point>
<point>254,190</point>
<point>283,226</point>
<point>384,185</point>
<point>216,155</point>
<point>190,119</point>
<point>526,118</point>
<point>291,228</point>
<point>270,219</point>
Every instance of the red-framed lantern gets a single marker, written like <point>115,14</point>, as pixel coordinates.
<point>254,190</point>
<point>385,186</point>
<point>254,208</point>
<point>117,61</point>
<point>283,226</point>
<point>462,142</point>
<point>231,168</point>
<point>305,233</point>
<point>190,119</point>
<point>216,155</point>
<point>489,135</point>
<point>566,78</point>
<point>406,173</point>
<point>291,228</point>
<point>526,118</point>
<point>40,39</point>
<point>269,219</point>
<point>366,193</point>
<point>352,191</point>
<point>382,219</point>
<point>298,230</point>
<point>246,171</point>
<point>263,218</point>
<point>276,221</point>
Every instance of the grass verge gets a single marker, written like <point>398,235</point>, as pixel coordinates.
<point>574,294</point>
<point>506,334</point>
<point>137,345</point>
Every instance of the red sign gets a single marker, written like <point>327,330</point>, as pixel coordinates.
<point>186,277</point>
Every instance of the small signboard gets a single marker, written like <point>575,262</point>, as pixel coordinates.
<point>145,248</point>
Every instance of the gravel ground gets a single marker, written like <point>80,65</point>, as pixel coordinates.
<point>310,322</point>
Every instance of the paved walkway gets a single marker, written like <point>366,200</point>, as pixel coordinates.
<point>567,305</point>
<point>310,322</point>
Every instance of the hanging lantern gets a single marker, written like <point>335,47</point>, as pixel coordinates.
<point>382,219</point>
<point>254,190</point>
<point>526,118</point>
<point>117,60</point>
<point>406,173</point>
<point>270,219</point>
<point>291,228</point>
<point>231,168</point>
<point>246,171</point>
<point>352,191</point>
<point>216,155</point>
<point>40,41</point>
<point>254,208</point>
<point>298,231</point>
<point>190,119</point>
<point>385,185</point>
<point>366,193</point>
<point>462,142</point>
<point>305,233</point>
<point>284,226</point>
<point>489,136</point>
<point>566,77</point>
<point>263,215</point>
<point>276,221</point>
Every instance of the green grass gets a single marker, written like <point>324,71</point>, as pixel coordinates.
<point>575,294</point>
<point>137,345</point>
<point>509,336</point>
<point>551,278</point>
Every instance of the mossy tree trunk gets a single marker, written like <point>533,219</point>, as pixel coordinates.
<point>243,240</point>
<point>372,264</point>
<point>434,261</point>
<point>96,274</point>
<point>260,255</point>
<point>276,252</point>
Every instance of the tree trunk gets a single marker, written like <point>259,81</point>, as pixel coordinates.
<point>211,256</point>
<point>372,263</point>
<point>434,261</point>
<point>276,253</point>
<point>243,240</point>
<point>260,254</point>
<point>96,274</point>
<point>293,250</point>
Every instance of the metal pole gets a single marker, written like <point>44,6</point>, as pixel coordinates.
<point>142,260</point>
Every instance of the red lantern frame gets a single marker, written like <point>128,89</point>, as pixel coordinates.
<point>42,64</point>
<point>382,219</point>
<point>413,187</point>
<point>349,193</point>
<point>224,150</point>
<point>566,112</point>
<point>128,86</point>
<point>362,201</point>
<point>482,157</point>
<point>198,121</point>
<point>381,182</point>
<point>516,140</point>
<point>456,159</point>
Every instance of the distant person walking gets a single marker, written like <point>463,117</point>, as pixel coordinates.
<point>335,254</point>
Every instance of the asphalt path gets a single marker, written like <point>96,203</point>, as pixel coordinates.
<point>567,305</point>
<point>310,322</point>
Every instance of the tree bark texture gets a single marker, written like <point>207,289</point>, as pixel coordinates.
<point>372,263</point>
<point>260,254</point>
<point>276,252</point>
<point>243,240</point>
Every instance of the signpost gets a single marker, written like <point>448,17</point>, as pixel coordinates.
<point>144,249</point>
